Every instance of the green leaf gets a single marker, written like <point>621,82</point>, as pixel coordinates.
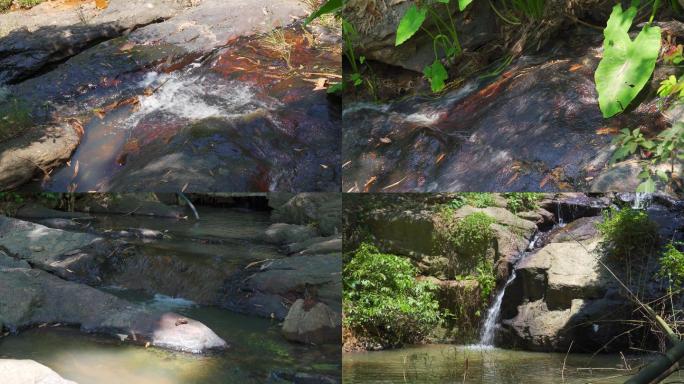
<point>410,24</point>
<point>462,4</point>
<point>627,64</point>
<point>335,88</point>
<point>647,186</point>
<point>330,6</point>
<point>436,74</point>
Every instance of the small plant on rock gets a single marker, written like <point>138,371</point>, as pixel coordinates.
<point>628,232</point>
<point>522,201</point>
<point>446,37</point>
<point>672,264</point>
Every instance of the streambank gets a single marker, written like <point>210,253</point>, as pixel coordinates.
<point>109,273</point>
<point>539,281</point>
<point>167,95</point>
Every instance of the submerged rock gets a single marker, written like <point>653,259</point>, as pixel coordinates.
<point>29,372</point>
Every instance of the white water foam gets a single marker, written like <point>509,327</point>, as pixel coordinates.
<point>196,97</point>
<point>168,303</point>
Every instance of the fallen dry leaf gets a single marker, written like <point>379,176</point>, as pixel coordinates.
<point>127,46</point>
<point>321,84</point>
<point>101,4</point>
<point>385,140</point>
<point>369,183</point>
<point>440,158</point>
<point>575,67</point>
<point>75,170</point>
<point>607,131</point>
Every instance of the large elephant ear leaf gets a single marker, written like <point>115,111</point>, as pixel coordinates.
<point>627,64</point>
<point>410,23</point>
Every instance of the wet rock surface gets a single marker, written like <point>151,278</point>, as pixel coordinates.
<point>187,103</point>
<point>537,127</point>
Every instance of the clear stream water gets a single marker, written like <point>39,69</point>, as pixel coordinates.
<point>191,261</point>
<point>441,363</point>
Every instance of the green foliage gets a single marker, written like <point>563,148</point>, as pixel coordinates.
<point>532,9</point>
<point>627,64</point>
<point>29,3</point>
<point>410,23</point>
<point>383,302</point>
<point>436,75</point>
<point>5,5</point>
<point>486,280</point>
<point>472,236</point>
<point>522,201</point>
<point>446,37</point>
<point>628,232</point>
<point>672,264</point>
<point>11,197</point>
<point>466,241</point>
<point>665,148</point>
<point>329,7</point>
<point>15,117</point>
<point>671,86</point>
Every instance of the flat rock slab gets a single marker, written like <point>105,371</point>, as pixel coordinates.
<point>46,35</point>
<point>39,244</point>
<point>29,372</point>
<point>214,22</point>
<point>29,297</point>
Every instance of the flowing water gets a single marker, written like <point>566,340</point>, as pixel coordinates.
<point>176,273</point>
<point>441,363</point>
<point>489,327</point>
<point>240,119</point>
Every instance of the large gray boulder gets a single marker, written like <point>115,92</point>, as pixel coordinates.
<point>30,297</point>
<point>312,323</point>
<point>29,372</point>
<point>563,294</point>
<point>319,209</point>
<point>266,289</point>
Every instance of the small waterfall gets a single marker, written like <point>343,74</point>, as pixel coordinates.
<point>561,223</point>
<point>489,326</point>
<point>487,333</point>
<point>642,200</point>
